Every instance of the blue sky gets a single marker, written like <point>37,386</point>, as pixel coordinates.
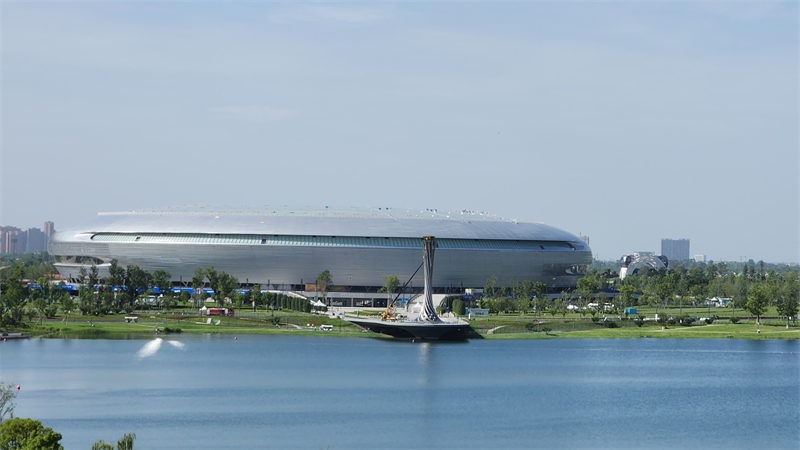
<point>628,122</point>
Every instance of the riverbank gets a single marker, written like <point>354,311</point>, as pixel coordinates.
<point>494,327</point>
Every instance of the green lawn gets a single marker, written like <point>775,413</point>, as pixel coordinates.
<point>107,326</point>
<point>504,326</point>
<point>714,331</point>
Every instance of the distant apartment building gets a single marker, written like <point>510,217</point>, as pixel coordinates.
<point>4,233</point>
<point>49,229</point>
<point>675,249</point>
<point>32,240</point>
<point>14,241</point>
<point>700,258</point>
<point>36,241</point>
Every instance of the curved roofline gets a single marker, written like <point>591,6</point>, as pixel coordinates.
<point>354,212</point>
<point>442,225</point>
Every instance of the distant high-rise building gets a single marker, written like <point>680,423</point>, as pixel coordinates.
<point>49,229</point>
<point>32,240</point>
<point>14,241</point>
<point>36,241</point>
<point>675,249</point>
<point>700,258</point>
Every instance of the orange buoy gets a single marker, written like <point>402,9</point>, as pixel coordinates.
<point>17,387</point>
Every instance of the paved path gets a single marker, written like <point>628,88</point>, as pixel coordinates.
<point>493,329</point>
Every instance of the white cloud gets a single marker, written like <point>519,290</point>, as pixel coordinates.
<point>253,113</point>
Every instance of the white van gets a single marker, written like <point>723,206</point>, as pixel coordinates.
<point>326,328</point>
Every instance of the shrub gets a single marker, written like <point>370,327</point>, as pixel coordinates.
<point>595,318</point>
<point>50,311</point>
<point>546,330</point>
<point>639,320</point>
<point>530,326</point>
<point>734,320</point>
<point>458,307</point>
<point>172,330</point>
<point>672,321</point>
<point>611,324</point>
<point>709,321</point>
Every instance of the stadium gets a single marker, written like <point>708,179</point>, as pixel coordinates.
<point>285,249</point>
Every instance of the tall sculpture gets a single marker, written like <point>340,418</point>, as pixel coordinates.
<point>428,313</point>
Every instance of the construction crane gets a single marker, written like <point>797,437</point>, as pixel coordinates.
<point>389,314</point>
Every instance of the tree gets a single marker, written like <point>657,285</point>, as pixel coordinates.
<point>254,295</point>
<point>136,279</point>
<point>390,283</point>
<point>198,281</point>
<point>458,307</point>
<point>162,280</point>
<point>757,298</point>
<point>565,296</point>
<point>213,279</point>
<point>699,293</point>
<point>224,287</point>
<point>7,394</point>
<point>28,434</point>
<point>626,296</point>
<point>116,274</point>
<point>40,305</point>
<point>324,282</point>
<point>14,293</point>
<point>539,290</point>
<point>787,303</point>
<point>126,442</point>
<point>44,288</point>
<point>86,300</point>
<point>102,445</point>
<point>94,277</point>
<point>585,290</point>
<point>490,287</point>
<point>664,290</point>
<point>525,293</point>
<point>67,304</point>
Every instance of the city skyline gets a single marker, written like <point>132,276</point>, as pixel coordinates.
<point>625,122</point>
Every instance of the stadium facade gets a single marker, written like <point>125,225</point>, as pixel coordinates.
<point>286,249</point>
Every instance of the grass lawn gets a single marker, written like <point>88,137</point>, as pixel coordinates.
<point>110,326</point>
<point>510,326</point>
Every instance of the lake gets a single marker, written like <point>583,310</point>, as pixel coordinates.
<point>305,392</point>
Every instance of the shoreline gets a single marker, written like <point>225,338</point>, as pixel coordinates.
<point>116,329</point>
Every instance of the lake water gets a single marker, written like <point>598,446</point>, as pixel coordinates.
<point>284,392</point>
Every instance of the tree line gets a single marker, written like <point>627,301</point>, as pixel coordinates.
<point>753,289</point>
<point>128,288</point>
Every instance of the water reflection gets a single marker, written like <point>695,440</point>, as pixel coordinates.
<point>150,348</point>
<point>307,392</point>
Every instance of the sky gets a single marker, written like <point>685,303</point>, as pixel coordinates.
<point>627,122</point>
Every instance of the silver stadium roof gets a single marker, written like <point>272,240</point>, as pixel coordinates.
<point>360,222</point>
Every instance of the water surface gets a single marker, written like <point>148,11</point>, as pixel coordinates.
<point>305,392</point>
